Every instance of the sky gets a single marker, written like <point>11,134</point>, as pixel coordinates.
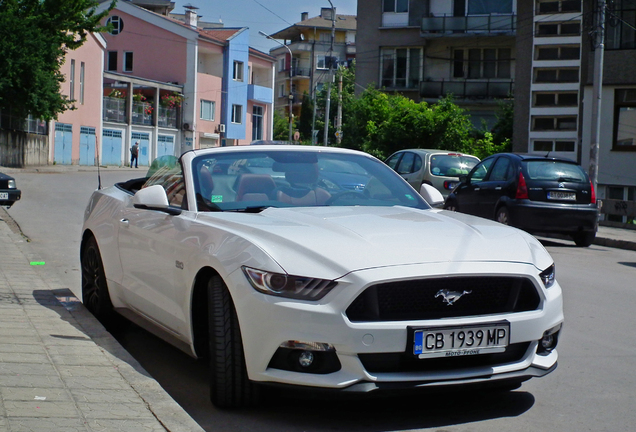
<point>268,16</point>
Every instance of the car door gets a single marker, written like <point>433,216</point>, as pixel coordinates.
<point>468,193</point>
<point>495,186</point>
<point>410,168</point>
<point>150,243</point>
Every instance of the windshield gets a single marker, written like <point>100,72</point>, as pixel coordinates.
<point>452,165</point>
<point>254,180</point>
<point>555,171</point>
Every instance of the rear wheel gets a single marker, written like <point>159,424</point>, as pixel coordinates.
<point>95,294</point>
<point>584,239</point>
<point>230,386</point>
<point>503,216</point>
<point>450,205</point>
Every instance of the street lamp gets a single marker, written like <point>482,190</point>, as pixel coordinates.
<point>291,95</point>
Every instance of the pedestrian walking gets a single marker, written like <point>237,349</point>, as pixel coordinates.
<point>134,155</point>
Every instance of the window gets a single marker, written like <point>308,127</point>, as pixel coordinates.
<point>171,179</point>
<point>481,170</point>
<point>553,146</point>
<point>401,67</point>
<point>257,123</point>
<point>563,6</point>
<point>399,6</point>
<point>624,120</point>
<point>128,61</point>
<point>207,110</point>
<point>486,7</point>
<point>558,29</point>
<point>281,91</point>
<point>71,81</point>
<point>281,64</point>
<point>621,31</point>
<point>237,114</point>
<point>555,99</point>
<point>82,77</point>
<point>551,52</point>
<point>560,123</point>
<point>482,63</point>
<point>502,170</point>
<point>323,62</point>
<point>554,75</point>
<point>237,74</point>
<point>117,25</point>
<point>112,61</point>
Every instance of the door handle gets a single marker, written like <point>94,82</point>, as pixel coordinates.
<point>124,222</point>
<point>498,188</point>
<point>477,189</point>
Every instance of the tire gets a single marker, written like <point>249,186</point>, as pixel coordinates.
<point>584,239</point>
<point>503,216</point>
<point>450,206</point>
<point>230,386</point>
<point>95,294</point>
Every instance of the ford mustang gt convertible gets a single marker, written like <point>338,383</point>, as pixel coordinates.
<point>283,276</point>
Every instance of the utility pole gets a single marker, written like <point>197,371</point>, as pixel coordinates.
<point>290,96</point>
<point>599,52</point>
<point>339,117</point>
<point>328,103</point>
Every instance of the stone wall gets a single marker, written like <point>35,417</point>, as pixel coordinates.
<point>21,149</point>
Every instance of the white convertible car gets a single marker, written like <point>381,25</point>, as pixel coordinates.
<point>321,268</point>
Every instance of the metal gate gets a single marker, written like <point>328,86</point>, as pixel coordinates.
<point>165,145</point>
<point>87,146</point>
<point>63,144</point>
<point>111,147</point>
<point>144,146</point>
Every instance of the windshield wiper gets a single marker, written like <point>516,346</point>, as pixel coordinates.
<point>569,179</point>
<point>252,209</point>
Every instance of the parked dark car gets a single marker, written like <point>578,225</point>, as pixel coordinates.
<point>535,193</point>
<point>9,193</point>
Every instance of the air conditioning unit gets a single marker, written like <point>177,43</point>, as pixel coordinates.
<point>221,128</point>
<point>186,126</point>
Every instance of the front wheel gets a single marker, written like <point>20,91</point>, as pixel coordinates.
<point>584,239</point>
<point>230,386</point>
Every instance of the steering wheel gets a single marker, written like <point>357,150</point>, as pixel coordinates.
<point>340,195</point>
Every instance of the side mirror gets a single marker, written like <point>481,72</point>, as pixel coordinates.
<point>463,178</point>
<point>154,198</point>
<point>431,195</point>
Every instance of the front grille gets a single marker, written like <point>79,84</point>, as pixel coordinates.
<point>416,299</point>
<point>403,362</point>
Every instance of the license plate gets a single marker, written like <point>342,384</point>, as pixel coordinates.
<point>566,196</point>
<point>4,195</point>
<point>461,341</point>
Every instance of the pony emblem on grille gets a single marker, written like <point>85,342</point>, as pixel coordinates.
<point>450,297</point>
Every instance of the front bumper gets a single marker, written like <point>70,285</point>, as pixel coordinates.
<point>267,322</point>
<point>553,217</point>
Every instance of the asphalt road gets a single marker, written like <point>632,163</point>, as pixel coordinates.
<point>591,390</point>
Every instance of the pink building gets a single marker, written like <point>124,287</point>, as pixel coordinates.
<point>170,85</point>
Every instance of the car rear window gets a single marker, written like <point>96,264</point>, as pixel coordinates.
<point>555,171</point>
<point>452,165</point>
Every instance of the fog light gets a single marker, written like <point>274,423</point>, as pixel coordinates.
<point>306,359</point>
<point>549,340</point>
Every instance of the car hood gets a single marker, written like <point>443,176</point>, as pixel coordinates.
<point>346,239</point>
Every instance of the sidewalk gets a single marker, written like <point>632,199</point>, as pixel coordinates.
<point>59,369</point>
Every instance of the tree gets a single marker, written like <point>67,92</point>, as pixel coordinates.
<point>306,115</point>
<point>280,127</point>
<point>34,38</point>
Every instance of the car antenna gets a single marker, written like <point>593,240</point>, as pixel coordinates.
<point>548,153</point>
<point>99,176</point>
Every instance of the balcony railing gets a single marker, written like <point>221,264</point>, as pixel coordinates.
<point>29,125</point>
<point>115,111</point>
<point>300,72</point>
<point>469,24</point>
<point>477,89</point>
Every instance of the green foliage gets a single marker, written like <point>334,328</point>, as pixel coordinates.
<point>485,146</point>
<point>306,115</point>
<point>502,130</point>
<point>34,38</point>
<point>281,127</point>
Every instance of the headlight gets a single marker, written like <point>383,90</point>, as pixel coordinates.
<point>285,285</point>
<point>547,276</point>
<point>12,184</point>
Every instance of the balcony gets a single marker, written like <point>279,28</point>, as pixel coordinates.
<point>260,94</point>
<point>472,24</point>
<point>301,72</point>
<point>474,89</point>
<point>115,111</point>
